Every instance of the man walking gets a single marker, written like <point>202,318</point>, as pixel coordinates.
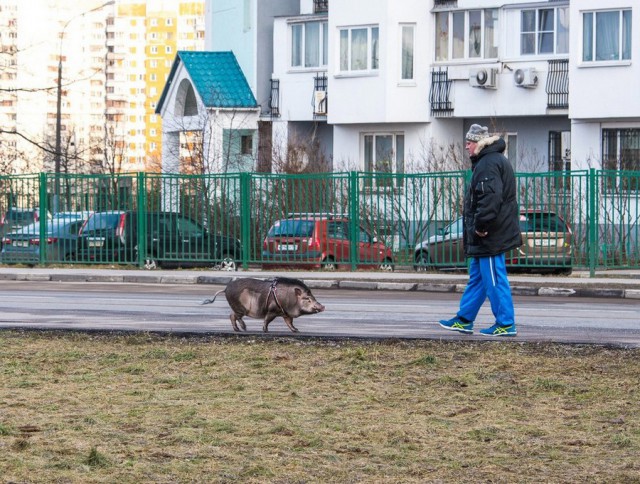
<point>490,230</point>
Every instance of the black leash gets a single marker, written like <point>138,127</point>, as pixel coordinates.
<point>273,291</point>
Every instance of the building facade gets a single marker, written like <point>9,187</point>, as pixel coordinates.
<point>395,86</point>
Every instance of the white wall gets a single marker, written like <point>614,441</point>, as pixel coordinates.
<point>377,96</point>
<point>604,90</point>
<point>601,95</point>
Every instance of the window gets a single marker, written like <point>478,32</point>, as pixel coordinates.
<point>359,49</point>
<point>544,31</point>
<point>408,35</point>
<point>606,35</point>
<point>384,154</point>
<point>246,144</point>
<point>467,35</point>
<point>621,151</point>
<point>309,44</point>
<point>560,158</point>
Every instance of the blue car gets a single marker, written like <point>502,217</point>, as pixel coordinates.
<point>23,246</point>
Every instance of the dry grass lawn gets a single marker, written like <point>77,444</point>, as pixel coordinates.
<point>82,408</point>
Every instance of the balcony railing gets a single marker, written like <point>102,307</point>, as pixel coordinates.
<point>320,100</point>
<point>441,105</point>
<point>558,84</point>
<point>445,3</point>
<point>274,100</point>
<point>320,6</point>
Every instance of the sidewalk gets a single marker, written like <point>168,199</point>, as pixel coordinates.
<point>606,284</point>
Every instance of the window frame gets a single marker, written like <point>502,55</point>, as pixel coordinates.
<point>372,52</point>
<point>323,45</point>
<point>451,28</point>
<point>412,48</point>
<point>398,150</point>
<point>592,31</point>
<point>538,31</point>
<point>615,137</point>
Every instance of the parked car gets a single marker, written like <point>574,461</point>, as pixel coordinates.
<point>14,218</point>
<point>172,240</point>
<point>547,246</point>
<point>60,236</point>
<point>322,241</point>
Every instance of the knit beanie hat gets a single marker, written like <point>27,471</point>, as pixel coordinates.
<point>477,132</point>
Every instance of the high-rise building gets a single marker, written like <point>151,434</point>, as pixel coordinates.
<point>42,41</point>
<point>142,41</point>
<point>112,58</point>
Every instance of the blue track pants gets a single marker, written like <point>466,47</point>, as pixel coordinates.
<point>488,279</point>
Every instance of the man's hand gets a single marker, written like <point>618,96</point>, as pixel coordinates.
<point>481,234</point>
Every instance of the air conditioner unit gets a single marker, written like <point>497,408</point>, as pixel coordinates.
<point>525,77</point>
<point>484,77</point>
<point>320,102</point>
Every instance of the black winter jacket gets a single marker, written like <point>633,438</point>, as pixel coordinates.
<point>490,202</point>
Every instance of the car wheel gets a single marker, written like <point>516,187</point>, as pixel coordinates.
<point>150,264</point>
<point>422,262</point>
<point>387,266</point>
<point>329,265</point>
<point>228,264</point>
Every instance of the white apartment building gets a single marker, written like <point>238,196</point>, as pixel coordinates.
<point>383,88</point>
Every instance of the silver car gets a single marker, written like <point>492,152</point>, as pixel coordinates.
<point>546,246</point>
<point>23,246</point>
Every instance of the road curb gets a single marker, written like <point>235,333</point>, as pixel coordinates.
<point>565,288</point>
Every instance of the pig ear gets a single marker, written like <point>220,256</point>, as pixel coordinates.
<point>298,291</point>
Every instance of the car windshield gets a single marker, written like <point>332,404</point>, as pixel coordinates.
<point>292,228</point>
<point>454,227</point>
<point>101,221</point>
<point>541,222</point>
<point>19,216</point>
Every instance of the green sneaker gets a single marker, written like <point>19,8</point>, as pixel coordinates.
<point>499,330</point>
<point>456,324</point>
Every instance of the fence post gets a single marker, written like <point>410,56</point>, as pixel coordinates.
<point>43,204</point>
<point>142,217</point>
<point>592,221</point>
<point>245,217</point>
<point>354,217</point>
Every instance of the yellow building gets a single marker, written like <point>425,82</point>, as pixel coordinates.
<point>142,41</point>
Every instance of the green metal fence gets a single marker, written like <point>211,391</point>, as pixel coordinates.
<point>196,219</point>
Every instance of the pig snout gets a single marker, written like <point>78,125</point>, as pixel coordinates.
<point>311,306</point>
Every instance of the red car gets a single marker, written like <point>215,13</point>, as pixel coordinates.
<point>322,242</point>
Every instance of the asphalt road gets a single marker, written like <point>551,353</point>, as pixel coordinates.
<point>350,313</point>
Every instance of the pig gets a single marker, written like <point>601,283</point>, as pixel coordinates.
<point>268,299</point>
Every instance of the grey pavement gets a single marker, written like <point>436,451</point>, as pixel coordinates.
<point>606,284</point>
